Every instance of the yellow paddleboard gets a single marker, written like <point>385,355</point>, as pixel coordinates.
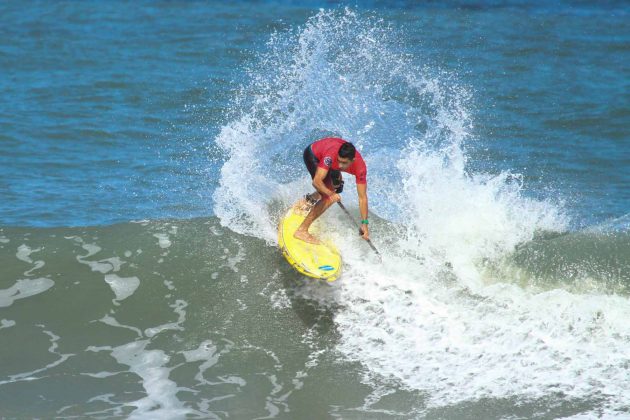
<point>321,261</point>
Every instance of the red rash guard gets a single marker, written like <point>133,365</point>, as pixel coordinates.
<point>327,153</point>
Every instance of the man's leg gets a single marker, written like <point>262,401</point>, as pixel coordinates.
<point>312,198</point>
<point>318,205</point>
<point>333,181</point>
<point>317,210</point>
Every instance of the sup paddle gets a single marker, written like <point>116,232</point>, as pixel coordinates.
<point>360,231</point>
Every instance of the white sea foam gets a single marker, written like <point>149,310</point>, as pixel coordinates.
<point>100,375</point>
<point>206,353</point>
<point>24,254</point>
<point>233,260</point>
<point>501,341</point>
<point>163,240</point>
<point>6,323</point>
<point>104,265</point>
<point>123,287</point>
<point>179,308</point>
<point>110,320</point>
<point>24,288</point>
<point>34,374</point>
<point>161,401</point>
<point>426,318</point>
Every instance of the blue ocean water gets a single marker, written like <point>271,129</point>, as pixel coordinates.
<point>148,150</point>
<point>109,111</point>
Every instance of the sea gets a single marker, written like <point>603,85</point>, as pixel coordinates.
<point>148,150</point>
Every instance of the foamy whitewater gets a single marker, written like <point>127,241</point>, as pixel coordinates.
<point>443,314</point>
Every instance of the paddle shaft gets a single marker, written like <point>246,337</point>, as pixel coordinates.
<point>358,227</point>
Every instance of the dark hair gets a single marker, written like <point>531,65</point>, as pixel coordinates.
<point>347,151</point>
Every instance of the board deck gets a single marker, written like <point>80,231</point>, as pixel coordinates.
<point>320,261</point>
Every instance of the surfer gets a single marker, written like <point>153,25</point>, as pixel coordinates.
<point>325,159</point>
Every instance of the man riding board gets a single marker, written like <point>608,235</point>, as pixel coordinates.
<point>325,160</point>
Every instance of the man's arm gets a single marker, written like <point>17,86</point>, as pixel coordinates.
<point>318,183</point>
<point>363,208</point>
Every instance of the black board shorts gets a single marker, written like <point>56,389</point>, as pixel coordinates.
<point>333,178</point>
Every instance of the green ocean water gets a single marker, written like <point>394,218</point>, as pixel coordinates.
<point>168,319</point>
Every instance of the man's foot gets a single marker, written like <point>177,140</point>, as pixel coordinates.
<point>312,199</point>
<point>301,206</point>
<point>306,203</point>
<point>306,237</point>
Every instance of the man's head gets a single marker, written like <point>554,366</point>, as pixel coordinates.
<point>346,155</point>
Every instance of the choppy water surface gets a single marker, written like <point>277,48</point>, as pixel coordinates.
<point>148,149</point>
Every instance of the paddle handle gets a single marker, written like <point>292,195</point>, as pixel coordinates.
<point>358,227</point>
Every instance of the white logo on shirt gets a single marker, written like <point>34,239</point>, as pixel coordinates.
<point>328,161</point>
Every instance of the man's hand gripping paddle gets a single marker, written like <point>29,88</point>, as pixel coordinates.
<point>360,231</point>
